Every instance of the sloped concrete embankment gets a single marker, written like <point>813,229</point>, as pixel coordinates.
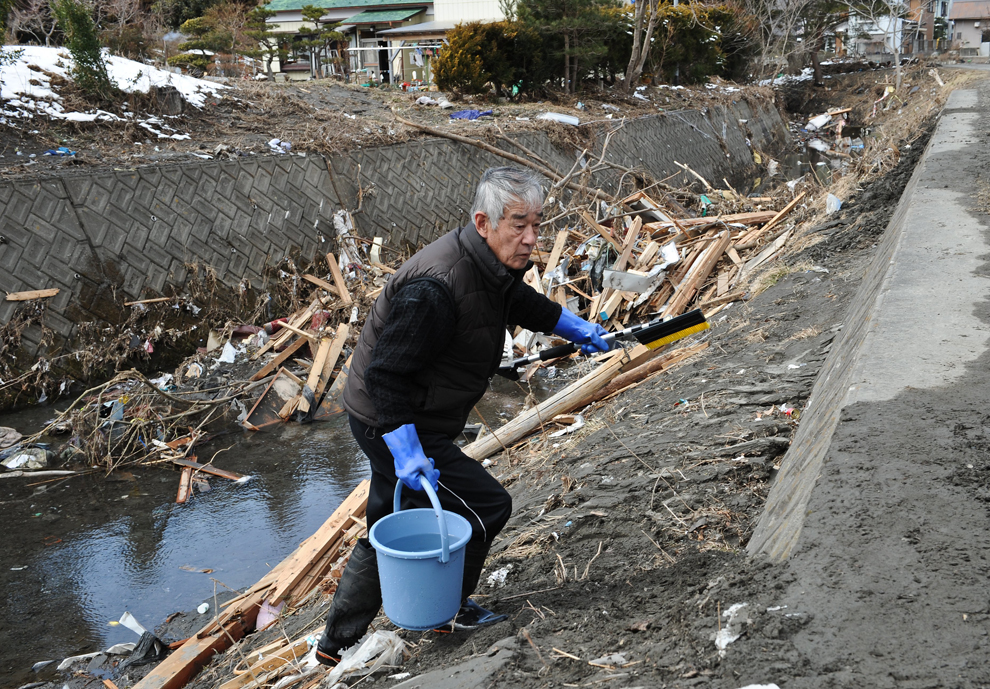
<point>880,507</point>
<point>109,236</point>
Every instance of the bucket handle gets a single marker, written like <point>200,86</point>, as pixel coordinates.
<point>444,541</point>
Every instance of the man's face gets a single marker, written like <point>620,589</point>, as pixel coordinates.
<point>514,237</point>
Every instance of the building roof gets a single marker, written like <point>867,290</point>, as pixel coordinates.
<point>423,28</point>
<point>383,16</point>
<point>296,5</point>
<point>970,9</point>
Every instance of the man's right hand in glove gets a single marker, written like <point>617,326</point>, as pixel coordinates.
<point>410,460</point>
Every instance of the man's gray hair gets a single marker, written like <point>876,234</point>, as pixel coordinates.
<point>500,186</point>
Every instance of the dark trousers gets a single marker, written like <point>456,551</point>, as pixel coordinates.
<point>465,489</point>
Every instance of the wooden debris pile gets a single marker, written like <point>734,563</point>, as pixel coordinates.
<point>642,261</point>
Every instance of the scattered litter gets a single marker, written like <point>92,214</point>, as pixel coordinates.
<point>497,578</point>
<point>832,204</point>
<point>203,608</point>
<point>560,117</point>
<point>736,617</point>
<point>60,151</point>
<point>576,424</point>
<point>470,114</point>
<point>279,146</point>
<point>377,650</point>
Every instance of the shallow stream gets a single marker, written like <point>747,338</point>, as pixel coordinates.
<point>77,553</point>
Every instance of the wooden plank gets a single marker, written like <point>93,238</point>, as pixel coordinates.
<point>558,249</point>
<point>32,294</point>
<point>733,255</point>
<point>601,230</point>
<point>532,278</point>
<point>299,331</point>
<point>315,372</point>
<point>339,340</point>
<point>723,284</point>
<point>156,300</point>
<point>699,272</point>
<point>207,469</point>
<point>750,218</point>
<point>279,359</point>
<point>768,252</point>
<point>627,245</point>
<point>338,279</point>
<point>749,239</point>
<point>184,663</point>
<point>185,485</point>
<point>568,399</point>
<point>322,284</point>
<point>285,335</point>
<point>315,546</point>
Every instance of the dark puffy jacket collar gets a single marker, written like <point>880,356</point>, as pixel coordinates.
<point>493,270</point>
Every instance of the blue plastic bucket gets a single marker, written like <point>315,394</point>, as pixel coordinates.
<point>420,562</point>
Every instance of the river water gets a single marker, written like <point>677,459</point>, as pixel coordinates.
<point>78,553</point>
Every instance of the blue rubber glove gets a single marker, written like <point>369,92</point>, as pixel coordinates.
<point>580,331</point>
<point>410,460</point>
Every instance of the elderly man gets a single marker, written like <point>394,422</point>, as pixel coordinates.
<point>430,346</point>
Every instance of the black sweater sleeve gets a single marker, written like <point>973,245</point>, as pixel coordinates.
<point>532,310</point>
<point>419,327</point>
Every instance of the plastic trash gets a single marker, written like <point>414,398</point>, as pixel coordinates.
<point>425,100</point>
<point>832,204</point>
<point>818,145</point>
<point>560,117</point>
<point>195,370</point>
<point>737,616</point>
<point>203,608</point>
<point>28,458</point>
<point>818,122</point>
<point>60,151</point>
<point>279,146</point>
<point>228,354</point>
<point>580,106</point>
<point>128,620</point>
<point>471,114</point>
<point>445,104</point>
<point>381,648</point>
<point>577,425</point>
<point>150,649</point>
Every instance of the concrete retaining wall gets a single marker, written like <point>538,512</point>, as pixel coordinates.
<point>109,236</point>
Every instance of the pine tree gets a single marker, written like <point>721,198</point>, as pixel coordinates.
<point>263,33</point>
<point>576,28</point>
<point>89,69</point>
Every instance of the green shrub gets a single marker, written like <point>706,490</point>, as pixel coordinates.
<point>89,70</point>
<point>505,55</point>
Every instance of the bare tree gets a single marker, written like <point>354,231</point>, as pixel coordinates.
<point>887,16</point>
<point>644,23</point>
<point>777,27</point>
<point>34,17</point>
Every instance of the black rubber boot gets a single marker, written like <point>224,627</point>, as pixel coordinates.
<point>471,615</point>
<point>355,604</point>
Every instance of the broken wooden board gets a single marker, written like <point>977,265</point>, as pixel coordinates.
<point>315,371</point>
<point>338,279</point>
<point>322,284</point>
<point>602,231</point>
<point>313,548</point>
<point>279,359</point>
<point>284,335</point>
<point>185,486</point>
<point>699,272</point>
<point>32,294</point>
<point>283,388</point>
<point>190,465</point>
<point>339,340</point>
<point>184,663</point>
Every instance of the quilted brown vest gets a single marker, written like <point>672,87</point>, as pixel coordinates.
<point>447,390</point>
